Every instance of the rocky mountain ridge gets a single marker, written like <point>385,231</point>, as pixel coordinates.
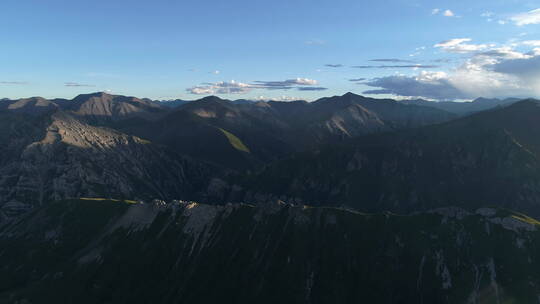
<point>66,157</point>
<point>271,130</point>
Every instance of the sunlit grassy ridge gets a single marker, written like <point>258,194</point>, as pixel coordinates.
<point>526,219</point>
<point>235,141</point>
<point>107,200</point>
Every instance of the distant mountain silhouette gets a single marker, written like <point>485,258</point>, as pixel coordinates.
<point>464,108</point>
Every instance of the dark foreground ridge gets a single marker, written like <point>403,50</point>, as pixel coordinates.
<point>103,251</point>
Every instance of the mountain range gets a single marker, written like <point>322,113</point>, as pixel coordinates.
<point>486,159</point>
<point>211,149</point>
<point>106,145</point>
<point>115,199</point>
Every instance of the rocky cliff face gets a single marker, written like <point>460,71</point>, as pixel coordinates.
<point>181,252</point>
<point>74,159</point>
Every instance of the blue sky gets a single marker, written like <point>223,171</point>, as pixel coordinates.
<point>270,49</point>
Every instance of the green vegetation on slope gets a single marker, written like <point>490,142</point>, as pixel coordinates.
<point>235,141</point>
<point>99,199</point>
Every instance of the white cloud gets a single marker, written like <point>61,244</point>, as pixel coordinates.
<point>448,13</point>
<point>222,87</point>
<point>234,87</point>
<point>13,82</point>
<point>286,84</point>
<point>76,84</point>
<point>432,77</point>
<point>531,42</point>
<point>280,98</point>
<point>496,72</point>
<point>487,14</point>
<point>201,90</point>
<point>304,81</point>
<point>452,42</point>
<point>501,53</point>
<point>459,45</point>
<point>315,42</point>
<point>531,17</point>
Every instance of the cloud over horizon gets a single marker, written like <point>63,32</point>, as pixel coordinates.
<point>13,82</point>
<point>234,87</point>
<point>394,60</point>
<point>405,66</point>
<point>494,72</point>
<point>460,46</point>
<point>311,89</point>
<point>286,84</point>
<point>76,84</point>
<point>432,85</point>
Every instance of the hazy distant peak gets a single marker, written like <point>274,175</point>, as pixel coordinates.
<point>532,100</point>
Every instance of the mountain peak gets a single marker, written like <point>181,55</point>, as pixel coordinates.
<point>99,95</point>
<point>211,98</point>
<point>350,95</point>
<point>103,104</point>
<point>96,94</point>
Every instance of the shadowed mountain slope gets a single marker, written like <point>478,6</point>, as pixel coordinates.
<point>94,251</point>
<point>490,158</point>
<point>103,105</point>
<point>271,130</point>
